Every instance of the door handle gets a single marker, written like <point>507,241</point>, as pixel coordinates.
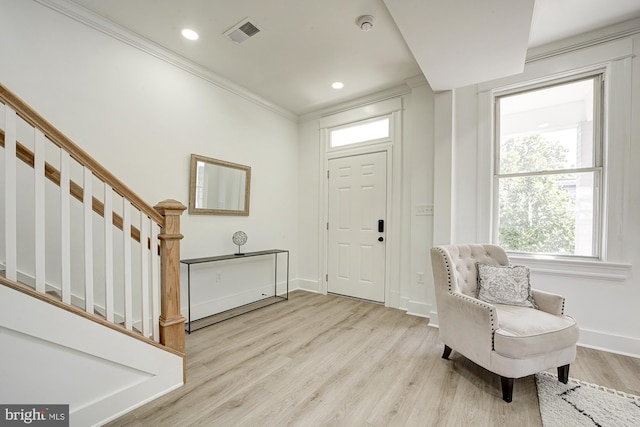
<point>381,225</point>
<point>380,239</point>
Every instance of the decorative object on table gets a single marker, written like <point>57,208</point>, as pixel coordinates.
<point>579,403</point>
<point>239,238</point>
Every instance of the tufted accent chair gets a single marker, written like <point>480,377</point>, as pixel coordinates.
<point>511,341</point>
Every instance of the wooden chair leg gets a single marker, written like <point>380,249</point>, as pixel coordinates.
<point>447,352</point>
<point>563,374</point>
<point>507,389</point>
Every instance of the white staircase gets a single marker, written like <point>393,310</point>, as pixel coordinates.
<point>89,283</point>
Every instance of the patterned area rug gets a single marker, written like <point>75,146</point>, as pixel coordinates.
<point>578,404</point>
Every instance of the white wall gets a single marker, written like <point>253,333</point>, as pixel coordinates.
<point>122,105</point>
<point>419,155</point>
<point>141,117</point>
<point>603,295</point>
<point>310,273</point>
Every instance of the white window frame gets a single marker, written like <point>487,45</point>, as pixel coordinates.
<point>365,143</point>
<point>598,76</point>
<point>616,58</point>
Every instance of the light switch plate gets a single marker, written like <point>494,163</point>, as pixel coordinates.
<point>423,210</point>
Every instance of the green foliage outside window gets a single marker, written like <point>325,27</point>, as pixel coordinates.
<point>537,212</point>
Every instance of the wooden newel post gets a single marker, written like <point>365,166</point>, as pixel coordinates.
<point>171,320</point>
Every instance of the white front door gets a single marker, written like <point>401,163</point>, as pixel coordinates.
<point>357,226</point>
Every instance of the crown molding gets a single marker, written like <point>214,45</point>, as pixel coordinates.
<point>584,40</point>
<point>111,29</point>
<point>416,81</point>
<point>383,95</point>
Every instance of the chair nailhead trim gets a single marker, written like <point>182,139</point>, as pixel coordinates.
<point>467,298</point>
<point>448,266</point>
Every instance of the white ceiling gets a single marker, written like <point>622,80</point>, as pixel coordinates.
<point>305,45</point>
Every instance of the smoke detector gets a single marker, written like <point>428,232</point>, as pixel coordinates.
<point>242,31</point>
<point>365,22</point>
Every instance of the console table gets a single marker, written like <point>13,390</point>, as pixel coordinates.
<point>236,311</point>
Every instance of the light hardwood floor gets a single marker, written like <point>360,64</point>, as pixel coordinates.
<point>319,360</point>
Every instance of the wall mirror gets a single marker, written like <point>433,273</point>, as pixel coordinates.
<point>218,187</point>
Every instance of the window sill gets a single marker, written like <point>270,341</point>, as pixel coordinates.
<point>588,269</point>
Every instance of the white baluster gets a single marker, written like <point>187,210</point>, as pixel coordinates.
<point>10,203</point>
<point>108,252</point>
<point>65,227</point>
<point>87,200</point>
<point>126,239</point>
<point>39,203</point>
<point>155,282</point>
<point>144,268</point>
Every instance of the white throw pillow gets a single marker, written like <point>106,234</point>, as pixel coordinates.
<point>505,285</point>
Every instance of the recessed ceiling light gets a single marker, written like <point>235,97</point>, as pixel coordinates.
<point>189,34</point>
<point>543,125</point>
<point>337,85</point>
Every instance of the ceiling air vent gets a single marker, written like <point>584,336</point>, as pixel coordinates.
<point>242,31</point>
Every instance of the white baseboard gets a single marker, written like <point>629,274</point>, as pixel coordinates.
<point>625,346</point>
<point>433,318</point>
<point>213,306</point>
<point>413,308</point>
<point>396,301</point>
<point>419,309</point>
<point>309,285</point>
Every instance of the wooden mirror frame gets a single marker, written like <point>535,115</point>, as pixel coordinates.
<point>193,187</point>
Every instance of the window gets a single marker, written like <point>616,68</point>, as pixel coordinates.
<point>362,132</point>
<point>548,169</point>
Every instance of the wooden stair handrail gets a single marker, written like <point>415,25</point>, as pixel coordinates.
<point>58,138</point>
<point>53,175</point>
